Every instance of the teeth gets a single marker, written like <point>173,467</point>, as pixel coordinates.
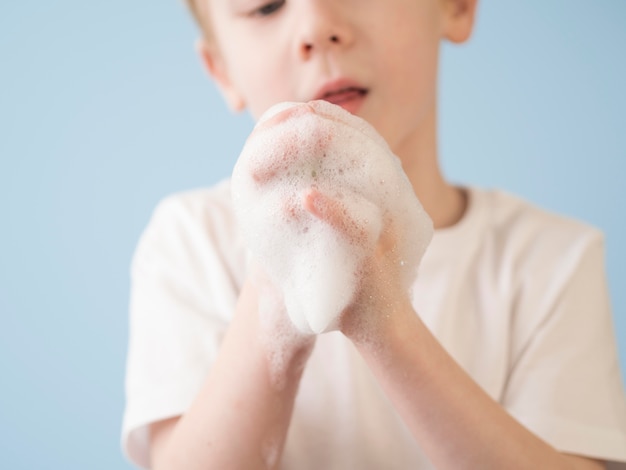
<point>344,90</point>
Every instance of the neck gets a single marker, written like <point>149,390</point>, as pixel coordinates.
<point>444,203</point>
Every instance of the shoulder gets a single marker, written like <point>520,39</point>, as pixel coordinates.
<point>193,207</point>
<point>195,227</point>
<point>513,215</point>
<point>540,256</point>
<point>528,236</point>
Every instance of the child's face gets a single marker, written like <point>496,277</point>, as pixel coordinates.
<point>376,58</point>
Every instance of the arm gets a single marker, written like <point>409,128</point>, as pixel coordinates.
<point>239,419</point>
<point>453,419</point>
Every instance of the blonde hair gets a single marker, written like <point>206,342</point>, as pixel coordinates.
<point>200,13</point>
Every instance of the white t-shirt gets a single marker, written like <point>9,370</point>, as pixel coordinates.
<point>518,297</point>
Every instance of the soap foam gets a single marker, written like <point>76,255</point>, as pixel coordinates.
<point>282,341</point>
<point>297,147</point>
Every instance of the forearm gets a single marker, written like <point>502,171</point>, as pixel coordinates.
<point>456,423</point>
<point>239,419</point>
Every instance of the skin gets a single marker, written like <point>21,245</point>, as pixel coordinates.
<point>391,48</point>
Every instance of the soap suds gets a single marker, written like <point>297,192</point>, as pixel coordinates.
<point>283,342</point>
<point>270,452</point>
<point>322,152</point>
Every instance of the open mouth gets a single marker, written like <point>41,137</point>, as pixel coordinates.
<point>344,95</point>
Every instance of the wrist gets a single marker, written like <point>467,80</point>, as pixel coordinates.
<point>286,352</point>
<point>267,335</point>
<point>380,323</point>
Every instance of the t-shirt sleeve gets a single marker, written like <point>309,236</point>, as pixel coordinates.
<point>181,298</point>
<point>565,383</point>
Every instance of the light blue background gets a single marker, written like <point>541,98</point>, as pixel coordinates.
<point>104,109</point>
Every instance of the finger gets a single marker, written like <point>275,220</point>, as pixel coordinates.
<point>279,164</point>
<point>332,212</point>
<point>341,117</point>
<point>286,151</point>
<point>284,115</point>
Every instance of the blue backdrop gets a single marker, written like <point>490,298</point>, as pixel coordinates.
<point>104,109</point>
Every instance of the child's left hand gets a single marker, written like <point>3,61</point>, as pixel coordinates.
<point>381,290</point>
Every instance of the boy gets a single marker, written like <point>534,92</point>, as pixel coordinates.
<point>504,358</point>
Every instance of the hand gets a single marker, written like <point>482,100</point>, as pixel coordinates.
<point>382,289</point>
<point>314,189</point>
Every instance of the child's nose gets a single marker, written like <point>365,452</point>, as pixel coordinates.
<point>323,27</point>
<point>308,45</point>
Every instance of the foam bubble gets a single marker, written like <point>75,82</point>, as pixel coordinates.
<point>296,147</point>
<point>270,451</point>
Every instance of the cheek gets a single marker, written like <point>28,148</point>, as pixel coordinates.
<point>417,62</point>
<point>264,96</point>
<point>263,82</point>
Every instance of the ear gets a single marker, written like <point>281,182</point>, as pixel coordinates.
<point>459,16</point>
<point>217,70</point>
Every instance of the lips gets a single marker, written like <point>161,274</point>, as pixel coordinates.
<point>344,93</point>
